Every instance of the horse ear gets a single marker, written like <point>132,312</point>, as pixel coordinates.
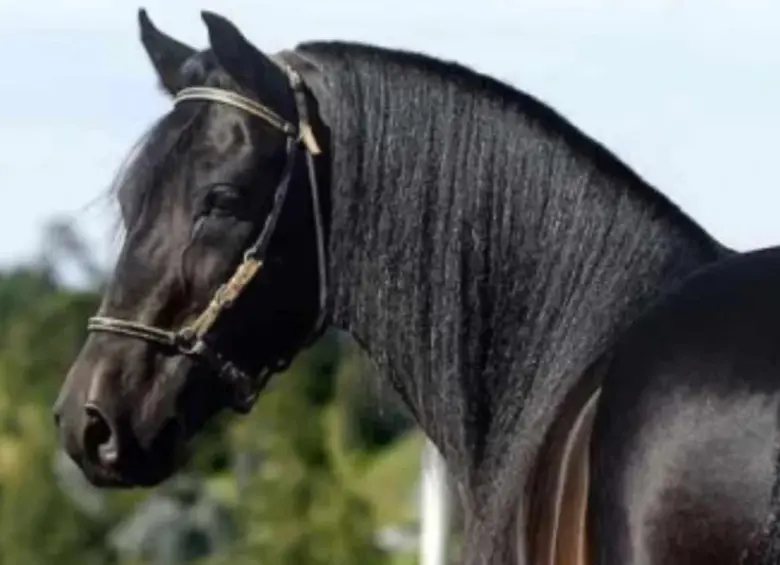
<point>242,60</point>
<point>167,54</point>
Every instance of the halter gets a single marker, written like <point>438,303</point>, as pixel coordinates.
<point>191,340</point>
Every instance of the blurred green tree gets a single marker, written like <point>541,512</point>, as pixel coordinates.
<point>301,505</point>
<point>40,328</point>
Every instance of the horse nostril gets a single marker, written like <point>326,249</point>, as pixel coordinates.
<point>101,444</point>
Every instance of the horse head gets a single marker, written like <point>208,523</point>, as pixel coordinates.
<point>221,276</point>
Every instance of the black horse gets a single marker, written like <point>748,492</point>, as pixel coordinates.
<point>483,251</point>
<point>686,438</point>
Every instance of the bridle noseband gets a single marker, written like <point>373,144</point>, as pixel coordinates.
<point>191,340</point>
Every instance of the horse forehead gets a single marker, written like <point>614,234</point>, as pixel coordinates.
<point>228,131</point>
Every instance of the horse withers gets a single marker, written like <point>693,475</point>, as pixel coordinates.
<point>481,249</point>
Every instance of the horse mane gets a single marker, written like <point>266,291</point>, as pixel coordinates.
<point>532,109</point>
<point>485,253</point>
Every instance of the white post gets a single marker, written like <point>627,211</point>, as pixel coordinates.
<point>434,508</point>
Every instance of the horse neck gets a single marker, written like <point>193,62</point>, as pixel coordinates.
<point>484,260</point>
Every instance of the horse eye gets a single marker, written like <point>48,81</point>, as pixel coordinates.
<point>223,198</point>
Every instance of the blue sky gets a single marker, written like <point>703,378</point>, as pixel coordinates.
<point>685,91</point>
